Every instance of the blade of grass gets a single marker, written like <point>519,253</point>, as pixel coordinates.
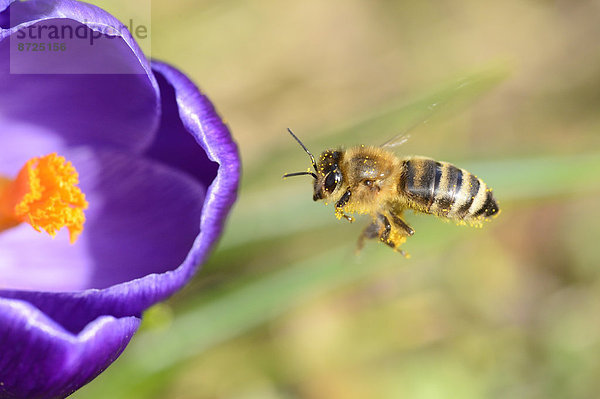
<point>289,209</point>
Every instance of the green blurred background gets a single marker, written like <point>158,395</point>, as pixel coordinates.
<point>284,309</point>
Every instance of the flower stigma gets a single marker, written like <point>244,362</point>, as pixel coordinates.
<point>45,195</point>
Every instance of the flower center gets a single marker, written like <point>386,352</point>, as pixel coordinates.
<point>45,195</point>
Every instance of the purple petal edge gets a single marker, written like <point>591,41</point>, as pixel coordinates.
<point>51,362</point>
<point>201,119</point>
<point>74,310</point>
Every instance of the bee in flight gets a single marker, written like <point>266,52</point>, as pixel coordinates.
<point>373,180</point>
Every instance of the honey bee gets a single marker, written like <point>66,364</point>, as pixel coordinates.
<point>373,180</point>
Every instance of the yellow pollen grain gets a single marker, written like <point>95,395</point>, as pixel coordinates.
<point>45,195</point>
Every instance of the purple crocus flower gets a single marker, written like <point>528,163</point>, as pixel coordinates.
<point>159,171</point>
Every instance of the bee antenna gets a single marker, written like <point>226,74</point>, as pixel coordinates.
<point>300,174</point>
<point>312,158</point>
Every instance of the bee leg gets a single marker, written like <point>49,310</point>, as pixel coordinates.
<point>392,237</point>
<point>387,228</point>
<point>370,232</point>
<point>386,232</point>
<point>402,224</point>
<point>339,206</point>
<point>348,218</point>
<point>379,228</point>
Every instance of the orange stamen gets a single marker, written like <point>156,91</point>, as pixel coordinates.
<point>45,195</point>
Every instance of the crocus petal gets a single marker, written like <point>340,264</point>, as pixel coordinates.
<point>51,362</point>
<point>111,109</point>
<point>52,342</point>
<point>202,122</point>
<point>74,310</point>
<point>143,218</point>
<point>35,261</point>
<point>174,144</point>
<point>31,140</point>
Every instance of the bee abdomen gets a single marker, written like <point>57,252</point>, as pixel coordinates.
<point>444,190</point>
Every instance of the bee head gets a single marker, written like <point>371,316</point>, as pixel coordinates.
<point>327,175</point>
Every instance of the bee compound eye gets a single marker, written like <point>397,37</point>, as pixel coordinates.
<point>331,181</point>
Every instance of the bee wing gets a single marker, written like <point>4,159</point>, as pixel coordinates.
<point>403,137</point>
<point>396,140</point>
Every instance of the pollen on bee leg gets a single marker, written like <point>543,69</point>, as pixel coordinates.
<point>45,195</point>
<point>395,240</point>
<point>338,213</point>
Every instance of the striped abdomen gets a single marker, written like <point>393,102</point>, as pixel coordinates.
<point>442,189</point>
